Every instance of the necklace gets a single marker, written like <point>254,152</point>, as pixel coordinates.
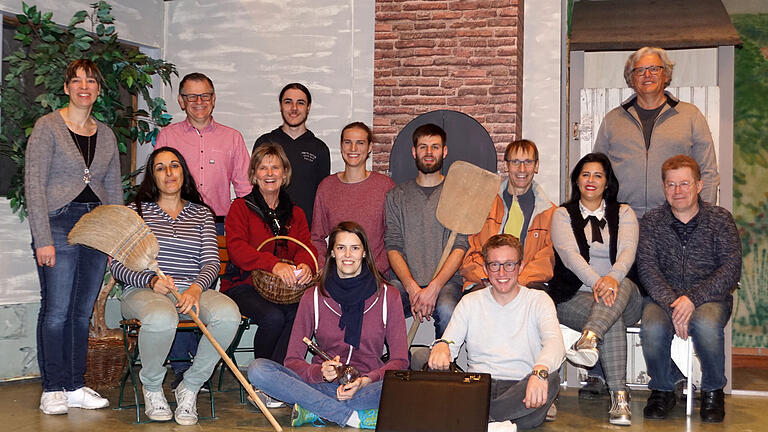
<point>86,170</point>
<point>85,153</point>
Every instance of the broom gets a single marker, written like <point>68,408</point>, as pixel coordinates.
<point>122,234</point>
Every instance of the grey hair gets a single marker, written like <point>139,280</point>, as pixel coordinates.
<point>669,66</point>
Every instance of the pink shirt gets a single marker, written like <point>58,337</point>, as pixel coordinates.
<point>216,156</point>
<point>361,202</point>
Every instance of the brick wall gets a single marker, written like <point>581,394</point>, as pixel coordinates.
<point>451,54</point>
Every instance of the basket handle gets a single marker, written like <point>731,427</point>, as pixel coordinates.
<point>280,237</point>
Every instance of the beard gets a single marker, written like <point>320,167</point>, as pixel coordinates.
<point>437,166</point>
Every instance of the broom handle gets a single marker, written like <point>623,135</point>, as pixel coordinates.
<point>444,257</point>
<point>244,382</point>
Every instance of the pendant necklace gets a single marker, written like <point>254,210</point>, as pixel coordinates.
<point>86,170</point>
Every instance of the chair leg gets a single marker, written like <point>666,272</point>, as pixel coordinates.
<point>689,397</point>
<point>213,404</point>
<point>132,357</point>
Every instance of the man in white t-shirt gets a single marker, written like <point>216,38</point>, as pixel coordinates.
<point>511,332</point>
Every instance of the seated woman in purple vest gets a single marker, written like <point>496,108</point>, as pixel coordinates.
<point>351,313</point>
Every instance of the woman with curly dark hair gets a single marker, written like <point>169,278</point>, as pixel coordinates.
<point>184,226</point>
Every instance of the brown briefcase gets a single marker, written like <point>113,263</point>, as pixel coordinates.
<point>416,401</point>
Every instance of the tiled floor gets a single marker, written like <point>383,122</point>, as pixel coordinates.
<point>19,412</point>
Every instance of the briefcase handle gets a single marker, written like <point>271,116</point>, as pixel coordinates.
<point>452,367</point>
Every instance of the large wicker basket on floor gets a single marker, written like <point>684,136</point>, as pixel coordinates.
<point>105,362</point>
<point>272,288</point>
<point>106,359</point>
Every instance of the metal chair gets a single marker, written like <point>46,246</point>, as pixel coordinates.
<point>245,323</point>
<point>131,328</point>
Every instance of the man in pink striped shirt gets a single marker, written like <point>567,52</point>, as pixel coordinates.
<point>216,154</point>
<point>217,158</point>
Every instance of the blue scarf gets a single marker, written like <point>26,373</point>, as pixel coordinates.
<point>351,294</point>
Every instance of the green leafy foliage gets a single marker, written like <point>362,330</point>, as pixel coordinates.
<point>46,50</point>
<point>750,133</point>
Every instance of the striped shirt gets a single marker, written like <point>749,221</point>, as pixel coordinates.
<point>188,249</point>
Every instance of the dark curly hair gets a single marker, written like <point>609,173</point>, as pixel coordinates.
<point>148,191</point>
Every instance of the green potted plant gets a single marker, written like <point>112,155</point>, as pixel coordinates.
<point>34,83</point>
<point>34,86</point>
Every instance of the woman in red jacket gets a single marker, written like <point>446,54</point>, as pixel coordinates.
<point>266,212</point>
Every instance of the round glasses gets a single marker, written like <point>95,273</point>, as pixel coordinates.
<point>509,266</point>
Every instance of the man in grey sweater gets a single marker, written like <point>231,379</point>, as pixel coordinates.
<point>415,238</point>
<point>650,127</point>
<point>689,259</point>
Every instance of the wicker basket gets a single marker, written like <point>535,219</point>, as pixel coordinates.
<point>106,362</point>
<point>272,288</point>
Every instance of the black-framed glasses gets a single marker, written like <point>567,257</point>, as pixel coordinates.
<point>640,71</point>
<point>509,266</point>
<point>192,97</point>
<point>517,162</point>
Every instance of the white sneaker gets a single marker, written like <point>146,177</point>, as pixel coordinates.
<point>584,352</point>
<point>155,405</point>
<point>268,400</point>
<point>505,426</point>
<point>186,406</point>
<point>53,402</point>
<point>85,398</point>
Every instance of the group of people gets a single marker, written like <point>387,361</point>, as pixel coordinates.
<point>657,247</point>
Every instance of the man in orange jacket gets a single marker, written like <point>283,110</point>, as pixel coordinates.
<point>522,209</point>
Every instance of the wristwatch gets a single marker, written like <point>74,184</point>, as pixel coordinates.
<point>541,374</point>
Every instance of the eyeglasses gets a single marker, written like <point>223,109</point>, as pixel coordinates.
<point>683,185</point>
<point>205,97</point>
<point>640,71</point>
<point>518,162</point>
<point>509,266</point>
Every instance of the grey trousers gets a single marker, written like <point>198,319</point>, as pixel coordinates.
<point>159,319</point>
<point>507,401</point>
<point>609,323</point>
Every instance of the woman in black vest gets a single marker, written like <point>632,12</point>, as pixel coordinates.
<point>595,239</point>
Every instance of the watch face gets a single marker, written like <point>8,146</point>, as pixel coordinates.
<point>543,374</point>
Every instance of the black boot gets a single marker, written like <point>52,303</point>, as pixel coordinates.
<point>595,388</point>
<point>660,403</point>
<point>712,406</point>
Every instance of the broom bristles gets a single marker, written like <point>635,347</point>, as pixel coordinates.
<point>120,233</point>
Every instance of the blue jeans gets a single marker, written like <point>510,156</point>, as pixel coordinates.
<point>286,385</point>
<point>705,327</point>
<point>67,293</point>
<point>184,347</point>
<point>446,302</point>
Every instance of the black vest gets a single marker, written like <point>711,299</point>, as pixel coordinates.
<point>565,284</point>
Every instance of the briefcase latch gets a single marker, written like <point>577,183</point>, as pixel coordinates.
<point>471,378</point>
<point>403,375</point>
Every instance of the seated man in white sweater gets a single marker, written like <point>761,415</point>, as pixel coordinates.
<point>512,333</point>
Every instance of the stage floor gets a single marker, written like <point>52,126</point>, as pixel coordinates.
<point>19,412</point>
